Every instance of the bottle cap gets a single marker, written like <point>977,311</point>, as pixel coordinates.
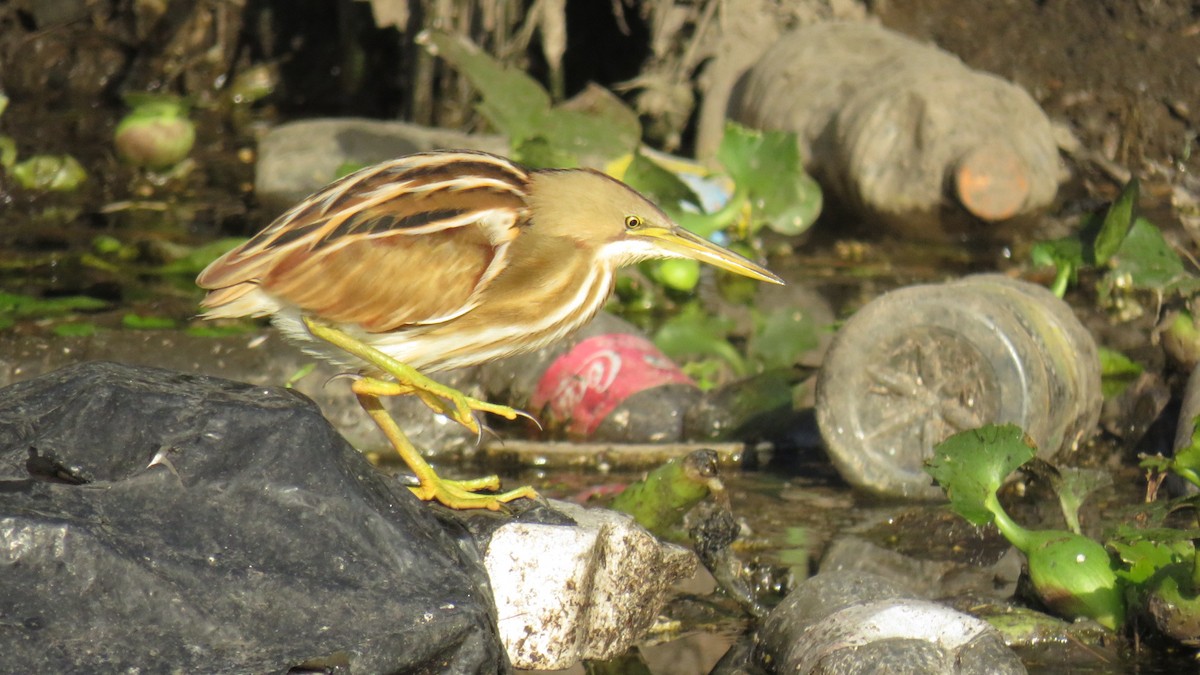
<point>992,181</point>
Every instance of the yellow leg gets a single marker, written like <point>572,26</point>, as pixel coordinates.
<point>442,399</point>
<point>453,493</point>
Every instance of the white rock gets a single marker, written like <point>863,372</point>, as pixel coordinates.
<point>565,593</point>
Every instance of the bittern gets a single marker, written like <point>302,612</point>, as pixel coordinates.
<point>441,260</point>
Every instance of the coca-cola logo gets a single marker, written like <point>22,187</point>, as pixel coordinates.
<point>595,374</point>
<point>586,384</point>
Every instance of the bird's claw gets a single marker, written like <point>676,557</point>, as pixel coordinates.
<point>464,494</point>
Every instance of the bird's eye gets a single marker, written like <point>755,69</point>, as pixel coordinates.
<point>632,222</point>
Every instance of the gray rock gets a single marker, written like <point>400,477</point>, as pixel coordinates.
<point>260,358</point>
<point>299,158</point>
<point>158,521</point>
<point>842,622</point>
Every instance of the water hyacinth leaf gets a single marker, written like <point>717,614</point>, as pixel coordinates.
<point>781,337</point>
<point>1146,261</point>
<point>52,173</point>
<point>1118,221</point>
<point>972,465</point>
<point>1076,484</point>
<point>1174,604</point>
<point>766,167</point>
<point>695,333</point>
<point>1117,372</point>
<point>1145,551</point>
<point>1073,485</point>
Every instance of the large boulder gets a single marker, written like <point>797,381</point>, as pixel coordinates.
<point>158,521</point>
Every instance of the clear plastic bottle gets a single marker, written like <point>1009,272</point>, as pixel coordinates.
<point>920,363</point>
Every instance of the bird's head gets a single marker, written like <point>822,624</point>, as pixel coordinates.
<point>621,226</point>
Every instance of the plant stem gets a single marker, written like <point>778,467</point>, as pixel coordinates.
<point>1014,533</point>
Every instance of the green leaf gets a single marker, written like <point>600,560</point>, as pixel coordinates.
<point>1186,461</point>
<point>1146,261</point>
<point>518,107</point>
<point>540,152</point>
<point>347,167</point>
<point>766,167</point>
<point>695,333</point>
<point>1065,255</point>
<point>53,173</point>
<point>1117,223</point>
<point>972,465</point>
<point>75,329</point>
<point>678,274</point>
<point>1117,372</point>
<point>584,134</point>
<point>25,306</point>
<point>219,331</point>
<point>1145,551</point>
<point>659,184</point>
<point>301,373</point>
<point>782,337</point>
<point>8,153</point>
<point>138,322</point>
<point>192,260</point>
<point>512,101</point>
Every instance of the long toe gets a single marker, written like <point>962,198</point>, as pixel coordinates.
<point>462,495</point>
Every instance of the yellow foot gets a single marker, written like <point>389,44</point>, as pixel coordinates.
<point>440,398</point>
<point>462,494</point>
<point>456,494</point>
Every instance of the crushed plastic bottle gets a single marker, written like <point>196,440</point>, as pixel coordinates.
<point>607,382</point>
<point>903,132</point>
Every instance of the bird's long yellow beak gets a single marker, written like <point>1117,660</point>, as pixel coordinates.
<point>688,245</point>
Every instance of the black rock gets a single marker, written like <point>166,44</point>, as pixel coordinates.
<point>156,521</point>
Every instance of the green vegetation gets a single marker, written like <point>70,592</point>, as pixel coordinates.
<point>1129,250</point>
<point>1138,561</point>
<point>157,133</point>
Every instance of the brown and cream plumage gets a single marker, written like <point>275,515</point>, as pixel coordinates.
<point>446,259</point>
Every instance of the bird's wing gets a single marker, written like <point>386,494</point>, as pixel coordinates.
<point>393,245</point>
